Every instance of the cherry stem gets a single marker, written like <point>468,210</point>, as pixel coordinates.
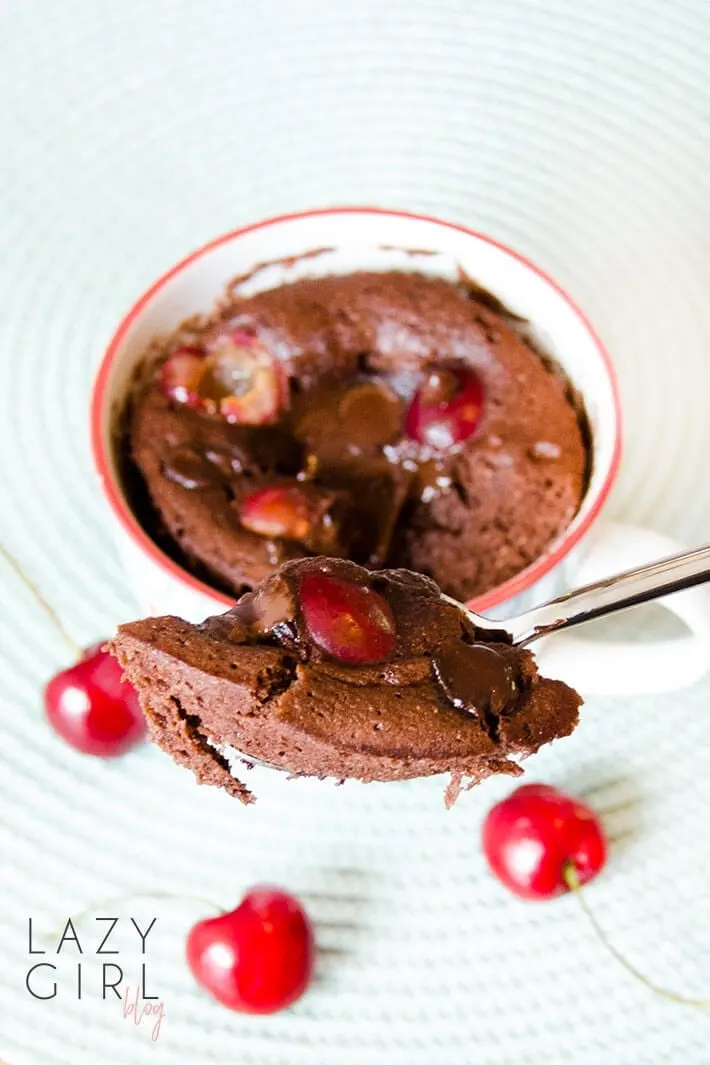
<point>571,879</point>
<point>163,896</point>
<point>47,607</point>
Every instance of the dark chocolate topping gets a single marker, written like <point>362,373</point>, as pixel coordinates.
<point>344,423</point>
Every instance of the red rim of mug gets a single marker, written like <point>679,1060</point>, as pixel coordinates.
<point>517,584</point>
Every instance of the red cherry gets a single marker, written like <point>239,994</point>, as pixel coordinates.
<point>348,621</point>
<point>93,708</point>
<point>258,958</point>
<point>180,376</point>
<point>237,380</point>
<point>277,511</point>
<point>446,409</point>
<point>241,381</point>
<point>530,837</point>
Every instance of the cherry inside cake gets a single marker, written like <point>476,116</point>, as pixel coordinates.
<point>328,669</point>
<point>393,419</point>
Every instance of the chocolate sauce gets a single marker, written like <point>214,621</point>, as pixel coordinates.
<point>268,612</point>
<point>346,422</point>
<point>475,677</point>
<point>370,415</point>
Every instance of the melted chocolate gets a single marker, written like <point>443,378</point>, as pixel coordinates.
<point>347,422</point>
<point>476,678</point>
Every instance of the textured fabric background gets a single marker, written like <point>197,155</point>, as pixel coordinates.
<point>129,133</point>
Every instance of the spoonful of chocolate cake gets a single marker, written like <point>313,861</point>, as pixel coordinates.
<point>328,669</point>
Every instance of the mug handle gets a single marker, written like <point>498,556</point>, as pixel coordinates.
<point>604,667</point>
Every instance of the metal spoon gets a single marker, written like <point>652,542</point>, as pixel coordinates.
<point>607,596</point>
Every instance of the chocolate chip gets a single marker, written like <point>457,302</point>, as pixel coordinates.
<point>267,612</point>
<point>370,415</point>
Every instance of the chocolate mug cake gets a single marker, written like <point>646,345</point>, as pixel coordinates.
<point>393,419</point>
<point>329,669</point>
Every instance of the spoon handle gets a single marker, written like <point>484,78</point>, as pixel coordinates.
<point>615,593</point>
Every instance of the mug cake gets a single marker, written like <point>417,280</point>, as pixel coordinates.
<point>390,418</point>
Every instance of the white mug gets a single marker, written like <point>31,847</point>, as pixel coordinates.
<point>339,240</point>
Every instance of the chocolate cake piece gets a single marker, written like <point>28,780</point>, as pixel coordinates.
<point>456,450</point>
<point>330,670</point>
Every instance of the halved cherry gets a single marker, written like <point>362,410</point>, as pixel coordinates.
<point>236,380</point>
<point>278,511</point>
<point>348,621</point>
<point>180,376</point>
<point>307,513</point>
<point>241,381</point>
<point>446,409</point>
